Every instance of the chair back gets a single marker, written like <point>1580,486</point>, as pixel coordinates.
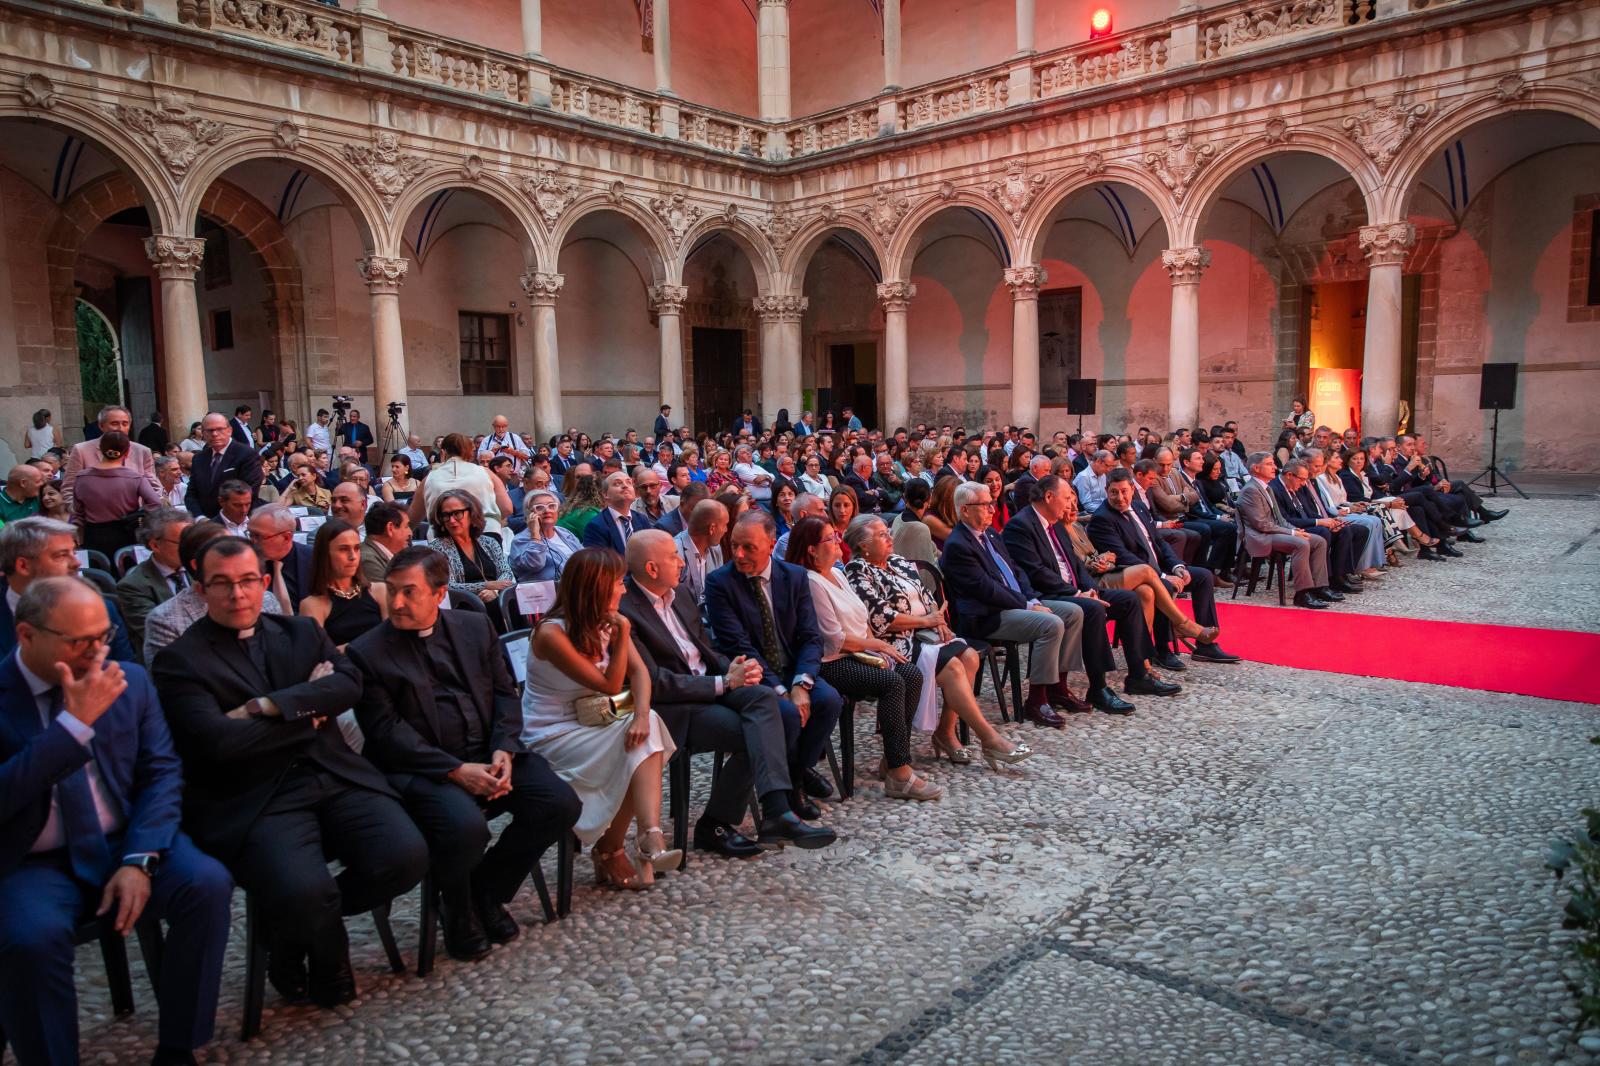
<point>515,647</point>
<point>101,579</point>
<point>514,618</point>
<point>125,559</point>
<point>932,579</point>
<point>97,560</point>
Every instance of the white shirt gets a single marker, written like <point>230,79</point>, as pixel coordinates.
<point>752,476</point>
<point>419,462</point>
<point>240,530</point>
<point>318,436</point>
<point>52,836</point>
<point>486,450</point>
<point>680,636</point>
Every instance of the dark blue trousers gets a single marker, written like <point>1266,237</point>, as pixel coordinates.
<point>806,744</point>
<point>42,903</point>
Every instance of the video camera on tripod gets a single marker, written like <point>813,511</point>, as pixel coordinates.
<point>395,407</point>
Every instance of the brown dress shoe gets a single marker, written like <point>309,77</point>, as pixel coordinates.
<point>1061,696</point>
<point>1037,709</point>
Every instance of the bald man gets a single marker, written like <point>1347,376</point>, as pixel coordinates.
<point>722,704</point>
<point>20,497</point>
<point>349,504</point>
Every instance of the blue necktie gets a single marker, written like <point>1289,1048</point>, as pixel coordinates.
<point>80,822</point>
<point>627,528</point>
<point>999,560</point>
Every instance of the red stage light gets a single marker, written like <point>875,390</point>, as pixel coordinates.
<point>1100,23</point>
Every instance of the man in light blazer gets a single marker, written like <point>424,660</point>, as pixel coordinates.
<point>700,546</point>
<point>1265,532</point>
<point>87,453</point>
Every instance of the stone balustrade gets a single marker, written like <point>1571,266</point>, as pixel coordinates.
<point>309,27</point>
<point>468,68</point>
<point>1097,63</point>
<point>602,101</point>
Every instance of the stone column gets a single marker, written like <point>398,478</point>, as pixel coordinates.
<point>383,277</point>
<point>532,29</point>
<point>891,45</point>
<point>1025,282</point>
<point>1184,266</point>
<point>176,260</point>
<point>780,353</point>
<point>542,289</point>
<point>1385,246</point>
<point>896,299</point>
<point>1025,27</point>
<point>662,24</point>
<point>667,302</point>
<point>772,59</point>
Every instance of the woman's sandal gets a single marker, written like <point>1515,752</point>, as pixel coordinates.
<point>606,874</point>
<point>656,860</point>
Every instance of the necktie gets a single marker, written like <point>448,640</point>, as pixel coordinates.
<point>771,647</point>
<point>1062,562</point>
<point>627,527</point>
<point>1272,504</point>
<point>80,822</point>
<point>1000,562</point>
<point>216,464</point>
<point>176,580</point>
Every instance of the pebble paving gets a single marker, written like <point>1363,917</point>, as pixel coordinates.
<point>1274,867</point>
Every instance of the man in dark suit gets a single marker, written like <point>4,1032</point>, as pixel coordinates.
<point>1300,511</point>
<point>760,608</point>
<point>358,435</point>
<point>240,427</point>
<point>160,577</point>
<point>1119,528</point>
<point>1176,496</point>
<point>288,565</point>
<point>992,600</point>
<point>32,548</point>
<point>726,706</point>
<point>955,464</point>
<point>223,459</point>
<point>442,719</point>
<point>746,423</point>
<point>1041,549</point>
<point>271,787</point>
<point>663,427</point>
<point>93,791</point>
<point>612,527</point>
<point>677,519</point>
<point>868,499</point>
<point>1021,492</point>
<point>154,436</point>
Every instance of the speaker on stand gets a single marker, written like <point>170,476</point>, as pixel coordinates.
<point>1080,398</point>
<point>1497,392</point>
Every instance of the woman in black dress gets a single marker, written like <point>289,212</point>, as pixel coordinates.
<point>341,599</point>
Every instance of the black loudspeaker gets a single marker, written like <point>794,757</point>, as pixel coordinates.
<point>1080,396</point>
<point>1498,391</point>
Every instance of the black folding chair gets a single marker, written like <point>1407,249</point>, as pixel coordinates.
<point>933,581</point>
<point>1277,566</point>
<point>515,646</point>
<point>100,579</point>
<point>114,951</point>
<point>124,560</point>
<point>843,765</point>
<point>428,910</point>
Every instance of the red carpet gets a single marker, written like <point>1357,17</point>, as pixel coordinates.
<point>1550,663</point>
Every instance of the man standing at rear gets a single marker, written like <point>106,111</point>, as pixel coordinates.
<point>87,453</point>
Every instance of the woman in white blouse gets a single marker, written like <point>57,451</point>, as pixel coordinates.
<point>812,481</point>
<point>858,664</point>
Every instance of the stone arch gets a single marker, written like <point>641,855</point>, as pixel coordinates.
<point>902,249</point>
<point>372,219</point>
<point>1034,230</point>
<point>491,187</point>
<point>665,265</point>
<point>1207,190</point>
<point>810,236</point>
<point>740,230</point>
<point>1402,178</point>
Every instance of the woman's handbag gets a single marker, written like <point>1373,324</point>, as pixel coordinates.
<point>870,658</point>
<point>599,709</point>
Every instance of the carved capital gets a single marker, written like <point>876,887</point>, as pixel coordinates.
<point>780,308</point>
<point>382,274</point>
<point>541,287</point>
<point>896,296</point>
<point>1026,281</point>
<point>668,299</point>
<point>1387,244</point>
<point>1185,265</point>
<point>175,258</point>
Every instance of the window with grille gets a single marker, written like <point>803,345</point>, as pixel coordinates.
<point>485,354</point>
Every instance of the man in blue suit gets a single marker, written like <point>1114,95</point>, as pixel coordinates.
<point>31,548</point>
<point>89,826</point>
<point>612,527</point>
<point>760,608</point>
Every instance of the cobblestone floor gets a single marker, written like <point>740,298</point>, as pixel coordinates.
<point>1275,867</point>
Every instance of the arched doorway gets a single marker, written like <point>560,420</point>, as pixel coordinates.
<point>99,358</point>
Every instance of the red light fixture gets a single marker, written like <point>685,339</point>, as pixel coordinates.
<point>1100,23</point>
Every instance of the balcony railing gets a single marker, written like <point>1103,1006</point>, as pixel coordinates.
<point>360,39</point>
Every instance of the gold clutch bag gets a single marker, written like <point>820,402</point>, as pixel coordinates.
<point>598,709</point>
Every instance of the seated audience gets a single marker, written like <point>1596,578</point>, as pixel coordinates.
<point>477,561</point>
<point>1090,484</point>
<point>756,481</point>
<point>288,564</point>
<point>888,483</point>
<point>811,478</point>
<point>91,824</point>
<point>1176,495</point>
<point>338,595</point>
<point>388,528</point>
<point>583,649</point>
<point>400,486</point>
<point>1267,530</point>
<point>270,786</point>
<point>612,527</point>
<point>649,502</point>
<point>689,493</point>
<point>700,547</point>
<point>1391,510</point>
<point>805,505</point>
<point>1332,501</point>
<point>168,621</point>
<point>443,722</point>
<point>842,510</point>
<point>306,490</point>
<point>913,539</point>
<point>235,501</point>
<point>724,703</point>
<point>859,479</point>
<point>32,548</point>
<point>721,475</point>
<point>996,482</point>
<point>457,472</point>
<point>1301,510</point>
<point>160,577</point>
<point>540,551</point>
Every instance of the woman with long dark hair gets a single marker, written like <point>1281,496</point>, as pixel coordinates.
<point>342,600</point>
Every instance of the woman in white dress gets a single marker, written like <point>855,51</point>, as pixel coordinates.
<point>583,647</point>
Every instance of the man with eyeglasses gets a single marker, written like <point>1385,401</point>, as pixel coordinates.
<point>32,548</point>
<point>91,828</point>
<point>649,502</point>
<point>221,461</point>
<point>287,564</point>
<point>160,577</point>
<point>271,787</point>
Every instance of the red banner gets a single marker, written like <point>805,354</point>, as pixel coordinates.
<point>1336,398</point>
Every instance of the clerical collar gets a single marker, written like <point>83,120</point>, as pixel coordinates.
<point>246,634</point>
<point>421,634</point>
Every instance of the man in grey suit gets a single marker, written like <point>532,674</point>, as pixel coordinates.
<point>700,545</point>
<point>1265,532</point>
<point>160,577</point>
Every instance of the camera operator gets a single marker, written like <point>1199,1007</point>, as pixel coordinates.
<point>501,441</point>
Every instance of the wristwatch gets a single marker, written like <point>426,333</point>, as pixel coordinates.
<point>803,681</point>
<point>146,864</point>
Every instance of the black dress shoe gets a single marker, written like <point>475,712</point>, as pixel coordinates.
<point>498,925</point>
<point>1429,554</point>
<point>286,969</point>
<point>1348,587</point>
<point>1446,550</point>
<point>1489,514</point>
<point>815,784</point>
<point>1310,600</point>
<point>1470,522</point>
<point>1213,653</point>
<point>1332,595</point>
<point>1168,661</point>
<point>725,840</point>
<point>1470,537</point>
<point>334,985</point>
<point>802,806</point>
<point>167,1056</point>
<point>1107,701</point>
<point>464,938</point>
<point>787,829</point>
<point>1149,685</point>
<point>1043,716</point>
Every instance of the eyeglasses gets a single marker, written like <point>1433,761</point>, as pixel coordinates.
<point>539,507</point>
<point>260,537</point>
<point>80,645</point>
<point>450,516</point>
<point>985,504</point>
<point>223,585</point>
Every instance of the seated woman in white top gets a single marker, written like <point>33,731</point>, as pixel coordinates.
<point>583,647</point>
<point>857,663</point>
<point>756,481</point>
<point>811,479</point>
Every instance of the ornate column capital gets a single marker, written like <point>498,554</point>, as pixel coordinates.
<point>1185,265</point>
<point>175,258</point>
<point>541,287</point>
<point>1026,281</point>
<point>668,299</point>
<point>1388,243</point>
<point>382,274</point>
<point>896,295</point>
<point>780,308</point>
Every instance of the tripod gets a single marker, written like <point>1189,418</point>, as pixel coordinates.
<point>1492,471</point>
<point>392,439</point>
